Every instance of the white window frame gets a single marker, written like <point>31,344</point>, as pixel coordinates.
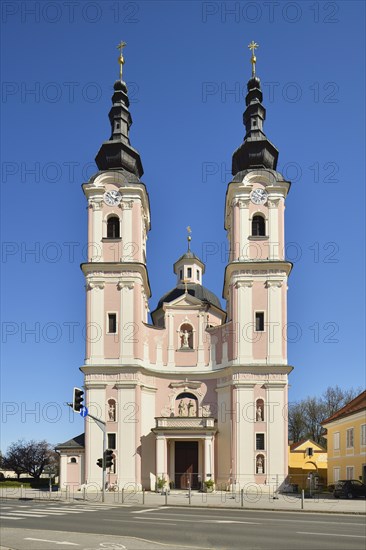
<point>336,441</point>
<point>336,474</point>
<point>108,313</point>
<point>264,442</point>
<point>255,321</point>
<point>115,435</point>
<point>363,435</point>
<point>350,470</point>
<point>350,438</point>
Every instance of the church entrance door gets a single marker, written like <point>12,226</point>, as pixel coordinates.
<point>186,464</point>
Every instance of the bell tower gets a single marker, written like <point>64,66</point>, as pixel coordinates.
<point>118,222</point>
<point>117,286</point>
<point>256,275</point>
<point>255,288</point>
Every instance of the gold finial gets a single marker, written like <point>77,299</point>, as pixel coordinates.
<point>189,238</point>
<point>121,59</point>
<point>253,46</point>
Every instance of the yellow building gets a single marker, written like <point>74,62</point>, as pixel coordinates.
<point>307,461</point>
<point>346,435</point>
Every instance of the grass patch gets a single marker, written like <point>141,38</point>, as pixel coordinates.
<point>28,483</point>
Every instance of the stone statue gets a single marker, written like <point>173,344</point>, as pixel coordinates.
<point>259,465</point>
<point>190,408</point>
<point>181,408</point>
<point>112,412</point>
<point>185,339</point>
<point>259,413</point>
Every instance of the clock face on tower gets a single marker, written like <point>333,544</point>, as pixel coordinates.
<point>259,196</point>
<point>112,198</point>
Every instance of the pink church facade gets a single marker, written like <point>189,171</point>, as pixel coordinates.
<point>196,392</point>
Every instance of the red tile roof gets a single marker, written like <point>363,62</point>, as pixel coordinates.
<point>357,404</point>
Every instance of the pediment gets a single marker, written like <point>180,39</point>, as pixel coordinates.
<point>185,300</point>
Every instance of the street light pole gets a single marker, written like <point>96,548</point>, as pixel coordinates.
<point>103,426</point>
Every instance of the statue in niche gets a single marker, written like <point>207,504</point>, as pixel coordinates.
<point>259,465</point>
<point>191,408</point>
<point>181,408</point>
<point>184,339</point>
<point>112,412</point>
<point>259,413</point>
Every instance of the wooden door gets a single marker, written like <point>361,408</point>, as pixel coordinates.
<point>186,464</point>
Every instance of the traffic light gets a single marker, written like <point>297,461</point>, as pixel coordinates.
<point>100,462</point>
<point>77,399</point>
<point>108,457</point>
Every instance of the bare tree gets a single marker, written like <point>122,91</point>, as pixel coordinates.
<point>296,422</point>
<point>305,416</point>
<point>28,457</point>
<point>13,458</point>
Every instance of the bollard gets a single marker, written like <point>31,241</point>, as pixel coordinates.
<point>143,496</point>
<point>302,499</point>
<point>84,493</point>
<point>189,495</point>
<point>166,497</point>
<point>21,491</point>
<point>242,498</point>
<point>123,496</point>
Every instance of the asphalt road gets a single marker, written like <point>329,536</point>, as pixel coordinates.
<point>87,526</point>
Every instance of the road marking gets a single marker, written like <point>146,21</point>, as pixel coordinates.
<point>228,521</point>
<point>148,510</point>
<point>330,535</point>
<point>25,514</point>
<point>53,541</point>
<point>208,520</point>
<point>328,522</point>
<point>9,517</point>
<point>138,520</point>
<point>58,512</point>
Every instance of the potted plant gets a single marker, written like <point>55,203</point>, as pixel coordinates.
<point>160,484</point>
<point>208,485</point>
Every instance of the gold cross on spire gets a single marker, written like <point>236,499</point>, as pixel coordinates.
<point>189,238</point>
<point>121,59</point>
<point>253,46</point>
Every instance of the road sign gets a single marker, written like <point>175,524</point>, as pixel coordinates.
<point>84,411</point>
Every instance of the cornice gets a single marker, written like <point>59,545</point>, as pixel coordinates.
<point>98,269</point>
<point>181,374</point>
<point>267,268</point>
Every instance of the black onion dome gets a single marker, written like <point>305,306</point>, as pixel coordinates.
<point>256,151</point>
<point>117,153</point>
<point>198,291</point>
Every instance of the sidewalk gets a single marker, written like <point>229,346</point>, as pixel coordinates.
<point>249,501</point>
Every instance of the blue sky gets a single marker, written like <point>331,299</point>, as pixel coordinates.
<point>187,64</point>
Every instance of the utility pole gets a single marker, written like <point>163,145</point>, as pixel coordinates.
<point>77,406</point>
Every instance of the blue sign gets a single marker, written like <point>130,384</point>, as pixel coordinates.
<point>84,411</point>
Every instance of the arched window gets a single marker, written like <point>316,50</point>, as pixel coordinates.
<point>113,228</point>
<point>258,226</point>
<point>73,460</point>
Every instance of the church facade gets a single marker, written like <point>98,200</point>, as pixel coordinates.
<point>197,393</point>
